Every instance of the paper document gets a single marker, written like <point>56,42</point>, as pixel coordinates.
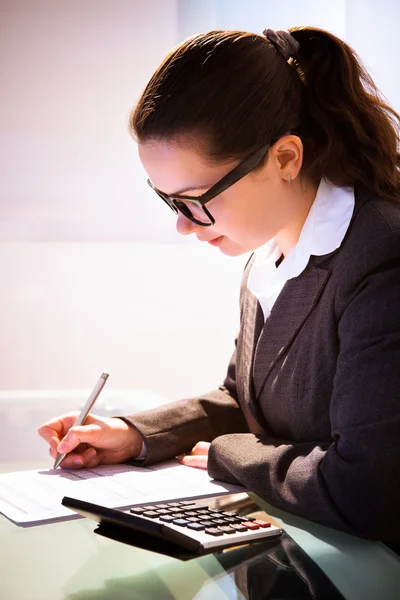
<point>32,497</point>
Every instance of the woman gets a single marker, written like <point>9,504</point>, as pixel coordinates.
<point>280,144</point>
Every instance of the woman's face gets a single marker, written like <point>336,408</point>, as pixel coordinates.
<point>248,214</point>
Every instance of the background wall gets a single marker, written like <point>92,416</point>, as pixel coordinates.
<point>71,71</point>
<point>93,275</point>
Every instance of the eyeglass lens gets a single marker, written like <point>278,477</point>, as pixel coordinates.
<point>190,210</point>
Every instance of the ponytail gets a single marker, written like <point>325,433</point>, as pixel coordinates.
<point>352,135</point>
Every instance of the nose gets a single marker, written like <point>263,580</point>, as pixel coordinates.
<point>185,226</point>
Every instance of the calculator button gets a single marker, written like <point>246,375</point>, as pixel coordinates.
<point>215,510</point>
<point>137,510</point>
<point>196,526</point>
<point>162,506</point>
<point>218,521</point>
<point>151,514</point>
<point>191,513</point>
<point>173,504</point>
<point>192,519</point>
<point>238,527</point>
<point>214,531</point>
<point>168,518</point>
<point>262,523</point>
<point>181,522</point>
<point>150,507</point>
<point>207,523</point>
<point>231,520</point>
<point>227,529</point>
<point>163,512</point>
<point>229,514</point>
<point>250,525</point>
<point>186,502</point>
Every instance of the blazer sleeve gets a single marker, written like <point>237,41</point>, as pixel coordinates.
<point>176,427</point>
<point>353,482</point>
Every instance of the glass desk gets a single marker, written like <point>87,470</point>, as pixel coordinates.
<point>66,560</point>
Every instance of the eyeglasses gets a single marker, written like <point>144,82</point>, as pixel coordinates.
<point>193,207</point>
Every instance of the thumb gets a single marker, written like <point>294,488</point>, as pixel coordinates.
<point>200,448</point>
<point>81,434</point>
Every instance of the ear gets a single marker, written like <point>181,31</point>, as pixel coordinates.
<point>287,154</point>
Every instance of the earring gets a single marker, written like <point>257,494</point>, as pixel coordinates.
<point>288,178</point>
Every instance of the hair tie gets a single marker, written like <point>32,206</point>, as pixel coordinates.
<point>283,41</point>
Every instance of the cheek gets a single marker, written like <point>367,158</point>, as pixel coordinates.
<point>244,209</point>
<point>235,220</point>
<point>233,203</point>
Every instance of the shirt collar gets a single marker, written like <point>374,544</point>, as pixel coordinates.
<point>323,231</point>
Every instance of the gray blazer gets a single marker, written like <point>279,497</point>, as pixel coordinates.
<point>308,416</point>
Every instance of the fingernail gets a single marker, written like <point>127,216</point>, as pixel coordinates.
<point>179,457</point>
<point>91,454</point>
<point>78,461</point>
<point>62,448</point>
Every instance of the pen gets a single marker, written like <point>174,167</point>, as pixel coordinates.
<point>85,411</point>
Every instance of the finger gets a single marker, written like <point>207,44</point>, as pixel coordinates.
<point>198,461</point>
<point>57,427</point>
<point>92,458</point>
<point>83,460</point>
<point>68,459</point>
<point>200,448</point>
<point>53,446</point>
<point>88,434</point>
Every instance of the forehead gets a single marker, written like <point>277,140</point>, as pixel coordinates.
<point>174,167</point>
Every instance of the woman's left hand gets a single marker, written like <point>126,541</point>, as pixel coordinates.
<point>197,457</point>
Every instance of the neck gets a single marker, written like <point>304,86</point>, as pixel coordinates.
<point>302,197</point>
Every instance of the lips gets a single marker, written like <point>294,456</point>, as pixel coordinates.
<point>216,241</point>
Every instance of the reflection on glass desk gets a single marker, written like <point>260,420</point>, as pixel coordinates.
<point>66,560</point>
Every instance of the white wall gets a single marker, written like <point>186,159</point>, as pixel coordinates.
<point>71,71</point>
<point>372,29</point>
<point>158,317</point>
<point>93,274</point>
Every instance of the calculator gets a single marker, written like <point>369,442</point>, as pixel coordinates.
<point>196,524</point>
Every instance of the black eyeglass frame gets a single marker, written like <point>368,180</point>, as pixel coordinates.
<point>238,172</point>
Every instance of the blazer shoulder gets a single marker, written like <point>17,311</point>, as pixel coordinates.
<point>377,215</point>
<point>370,249</point>
<point>375,224</point>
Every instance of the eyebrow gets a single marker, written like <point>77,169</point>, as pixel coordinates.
<point>190,189</point>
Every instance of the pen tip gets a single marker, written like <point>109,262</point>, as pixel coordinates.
<point>58,461</point>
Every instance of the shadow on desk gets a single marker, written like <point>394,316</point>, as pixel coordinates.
<point>273,569</point>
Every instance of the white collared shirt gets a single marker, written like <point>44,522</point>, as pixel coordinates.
<point>323,231</point>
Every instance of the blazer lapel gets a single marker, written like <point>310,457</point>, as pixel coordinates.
<point>291,309</point>
<point>252,326</point>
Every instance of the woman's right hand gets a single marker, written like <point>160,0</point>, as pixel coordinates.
<point>100,441</point>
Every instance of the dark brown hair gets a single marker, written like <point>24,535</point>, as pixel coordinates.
<point>235,92</point>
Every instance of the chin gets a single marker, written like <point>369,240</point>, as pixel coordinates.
<point>232,250</point>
